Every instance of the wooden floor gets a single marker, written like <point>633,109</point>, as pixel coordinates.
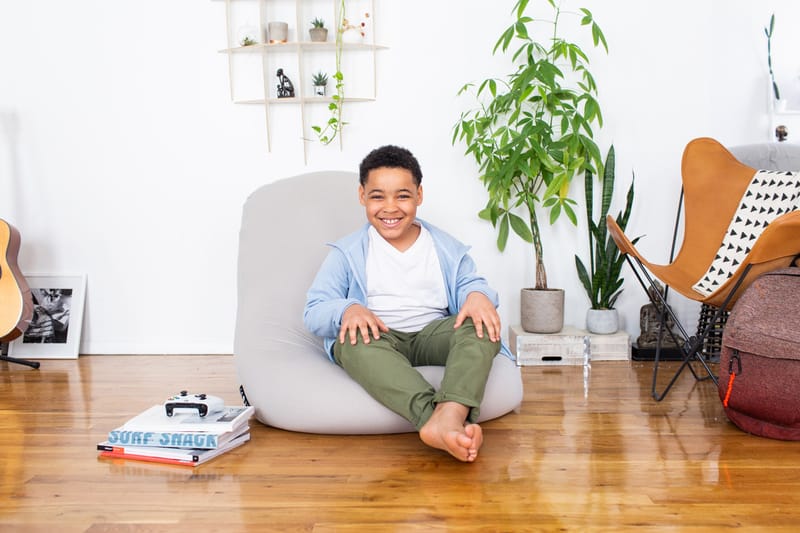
<point>605,457</point>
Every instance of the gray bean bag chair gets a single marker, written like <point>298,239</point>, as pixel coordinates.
<point>769,156</point>
<point>283,370</point>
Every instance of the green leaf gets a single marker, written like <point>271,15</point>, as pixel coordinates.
<point>583,275</point>
<point>598,37</point>
<point>555,212</point>
<point>608,183</point>
<point>502,234</point>
<point>570,212</point>
<point>520,227</point>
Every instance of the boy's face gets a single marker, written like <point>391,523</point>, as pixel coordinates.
<point>391,198</point>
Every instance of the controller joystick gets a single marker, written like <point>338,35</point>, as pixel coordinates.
<point>202,403</point>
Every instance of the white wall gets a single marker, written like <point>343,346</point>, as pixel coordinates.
<point>122,157</point>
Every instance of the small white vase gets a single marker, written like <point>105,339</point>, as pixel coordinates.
<point>602,321</point>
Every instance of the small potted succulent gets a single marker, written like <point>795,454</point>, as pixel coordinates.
<point>318,31</point>
<point>320,82</point>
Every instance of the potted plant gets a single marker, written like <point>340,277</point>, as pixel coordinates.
<point>531,134</point>
<point>320,82</point>
<point>318,32</point>
<point>603,280</point>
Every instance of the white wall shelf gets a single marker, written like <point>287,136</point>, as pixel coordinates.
<point>252,69</point>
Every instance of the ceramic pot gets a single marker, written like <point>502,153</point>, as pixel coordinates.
<point>320,90</point>
<point>602,321</point>
<point>542,310</point>
<point>318,35</point>
<point>277,32</point>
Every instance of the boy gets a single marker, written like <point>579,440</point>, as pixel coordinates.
<point>401,293</point>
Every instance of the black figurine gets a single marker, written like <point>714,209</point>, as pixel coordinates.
<point>285,86</point>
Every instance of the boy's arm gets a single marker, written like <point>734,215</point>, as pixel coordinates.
<point>468,281</point>
<point>476,300</point>
<point>327,298</point>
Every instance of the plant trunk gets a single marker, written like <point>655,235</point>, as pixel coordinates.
<point>541,273</point>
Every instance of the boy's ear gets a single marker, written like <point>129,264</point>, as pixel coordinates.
<point>419,194</point>
<point>361,198</point>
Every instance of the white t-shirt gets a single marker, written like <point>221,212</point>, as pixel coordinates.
<point>405,289</point>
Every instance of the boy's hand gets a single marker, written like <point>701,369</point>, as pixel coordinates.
<point>358,318</point>
<point>481,310</point>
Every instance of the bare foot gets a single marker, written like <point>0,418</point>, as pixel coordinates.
<point>445,430</point>
<point>475,432</point>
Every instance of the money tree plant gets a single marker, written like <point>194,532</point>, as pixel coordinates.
<point>531,131</point>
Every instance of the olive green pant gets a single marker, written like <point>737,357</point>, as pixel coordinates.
<point>385,367</point>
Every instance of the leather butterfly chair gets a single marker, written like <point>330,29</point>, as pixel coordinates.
<point>724,248</point>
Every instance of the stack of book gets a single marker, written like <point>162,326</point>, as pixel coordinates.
<point>182,439</point>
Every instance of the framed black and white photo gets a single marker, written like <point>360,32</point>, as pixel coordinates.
<point>55,328</point>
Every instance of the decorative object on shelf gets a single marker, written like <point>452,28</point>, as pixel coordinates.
<point>768,31</point>
<point>781,133</point>
<point>354,33</point>
<point>318,32</point>
<point>278,32</point>
<point>603,280</point>
<point>285,85</point>
<point>247,36</point>
<point>532,131</point>
<point>320,82</point>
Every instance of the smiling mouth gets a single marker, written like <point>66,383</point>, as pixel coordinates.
<point>390,221</point>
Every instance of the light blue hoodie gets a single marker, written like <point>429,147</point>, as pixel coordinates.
<point>341,281</point>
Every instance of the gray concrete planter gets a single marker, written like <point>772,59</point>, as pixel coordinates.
<point>602,321</point>
<point>318,35</point>
<point>542,310</point>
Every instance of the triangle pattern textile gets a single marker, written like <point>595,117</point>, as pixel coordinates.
<point>771,193</point>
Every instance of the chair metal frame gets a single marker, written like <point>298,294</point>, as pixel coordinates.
<point>691,346</point>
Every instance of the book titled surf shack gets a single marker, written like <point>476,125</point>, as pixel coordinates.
<point>175,440</point>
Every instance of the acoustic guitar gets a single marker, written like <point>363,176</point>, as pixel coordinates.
<point>16,302</point>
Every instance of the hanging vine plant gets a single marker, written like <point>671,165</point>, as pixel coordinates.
<point>333,127</point>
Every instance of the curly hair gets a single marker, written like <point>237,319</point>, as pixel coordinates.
<point>392,157</point>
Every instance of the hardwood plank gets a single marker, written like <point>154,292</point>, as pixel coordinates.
<point>598,457</point>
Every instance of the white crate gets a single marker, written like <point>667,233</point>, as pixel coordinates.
<point>566,347</point>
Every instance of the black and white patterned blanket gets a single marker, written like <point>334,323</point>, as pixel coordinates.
<point>771,194</point>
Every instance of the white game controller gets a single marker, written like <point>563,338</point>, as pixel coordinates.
<point>202,403</point>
